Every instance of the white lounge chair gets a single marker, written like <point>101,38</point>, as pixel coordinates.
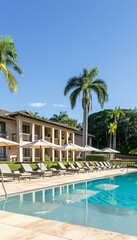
<point>67,170</point>
<point>83,169</point>
<point>28,168</point>
<point>6,171</point>
<point>53,171</point>
<point>89,167</point>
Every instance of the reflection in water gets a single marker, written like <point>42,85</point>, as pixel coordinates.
<point>100,203</point>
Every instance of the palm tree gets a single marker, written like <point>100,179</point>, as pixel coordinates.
<point>111,130</point>
<point>86,84</point>
<point>8,58</point>
<point>62,117</point>
<point>115,114</point>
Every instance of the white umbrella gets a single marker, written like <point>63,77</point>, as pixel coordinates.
<point>71,147</point>
<point>40,144</point>
<point>109,150</point>
<point>92,149</point>
<point>5,142</point>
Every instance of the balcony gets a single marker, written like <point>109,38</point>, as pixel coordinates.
<point>56,141</point>
<point>62,142</point>
<point>26,137</point>
<point>36,137</point>
<point>48,139</point>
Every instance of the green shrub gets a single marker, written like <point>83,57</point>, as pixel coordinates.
<point>97,157</point>
<point>47,158</point>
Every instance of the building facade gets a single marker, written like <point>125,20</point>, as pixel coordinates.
<point>24,127</point>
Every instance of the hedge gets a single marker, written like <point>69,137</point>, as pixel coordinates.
<point>97,157</point>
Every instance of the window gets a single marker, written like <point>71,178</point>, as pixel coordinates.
<point>2,153</point>
<point>26,152</point>
<point>2,127</point>
<point>26,129</point>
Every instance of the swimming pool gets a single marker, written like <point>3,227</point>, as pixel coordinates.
<point>109,203</point>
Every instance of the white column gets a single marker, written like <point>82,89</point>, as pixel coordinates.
<point>33,139</point>
<point>20,139</point>
<point>90,141</point>
<point>60,143</point>
<point>73,137</point>
<point>73,141</point>
<point>43,137</point>
<point>67,136</point>
<point>53,151</point>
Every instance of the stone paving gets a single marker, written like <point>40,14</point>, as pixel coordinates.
<point>16,226</point>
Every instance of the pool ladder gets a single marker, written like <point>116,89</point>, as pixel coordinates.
<point>2,181</point>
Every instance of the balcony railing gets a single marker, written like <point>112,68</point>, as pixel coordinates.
<point>49,139</point>
<point>56,141</point>
<point>36,137</point>
<point>26,137</point>
<point>62,142</point>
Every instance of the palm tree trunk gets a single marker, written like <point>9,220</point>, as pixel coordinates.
<point>114,136</point>
<point>110,140</point>
<point>85,127</point>
<point>114,141</point>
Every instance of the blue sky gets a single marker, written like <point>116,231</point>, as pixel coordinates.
<point>56,39</point>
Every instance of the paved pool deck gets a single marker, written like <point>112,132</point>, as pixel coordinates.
<point>16,226</point>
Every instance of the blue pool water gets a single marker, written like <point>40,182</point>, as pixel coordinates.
<point>109,203</point>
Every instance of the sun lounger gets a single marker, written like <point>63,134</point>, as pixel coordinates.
<point>6,171</point>
<point>103,166</point>
<point>78,165</point>
<point>94,166</point>
<point>107,165</point>
<point>73,168</point>
<point>67,170</point>
<point>53,171</point>
<point>98,166</point>
<point>40,173</point>
<point>88,166</point>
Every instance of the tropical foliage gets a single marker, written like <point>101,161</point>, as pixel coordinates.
<point>126,130</point>
<point>115,114</point>
<point>64,118</point>
<point>8,60</point>
<point>85,84</point>
<point>111,131</point>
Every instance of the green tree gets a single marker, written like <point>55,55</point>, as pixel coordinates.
<point>86,84</point>
<point>8,59</point>
<point>126,130</point>
<point>115,115</point>
<point>64,118</point>
<point>111,131</point>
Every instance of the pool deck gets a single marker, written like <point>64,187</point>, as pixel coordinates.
<point>16,226</point>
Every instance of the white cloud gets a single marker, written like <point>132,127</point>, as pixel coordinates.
<point>59,105</point>
<point>37,104</point>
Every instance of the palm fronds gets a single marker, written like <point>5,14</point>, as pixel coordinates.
<point>8,58</point>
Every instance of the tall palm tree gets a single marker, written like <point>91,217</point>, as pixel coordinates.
<point>86,84</point>
<point>111,130</point>
<point>115,115</point>
<point>8,59</point>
